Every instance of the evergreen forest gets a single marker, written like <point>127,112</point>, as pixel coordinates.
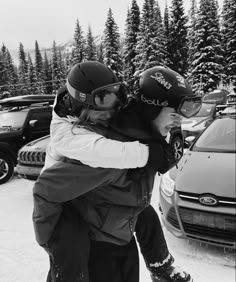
<point>199,44</point>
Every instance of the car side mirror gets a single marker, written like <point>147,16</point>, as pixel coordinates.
<point>33,123</point>
<point>189,140</point>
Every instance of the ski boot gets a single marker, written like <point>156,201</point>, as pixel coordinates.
<point>172,274</point>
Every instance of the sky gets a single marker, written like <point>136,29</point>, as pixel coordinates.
<point>49,20</point>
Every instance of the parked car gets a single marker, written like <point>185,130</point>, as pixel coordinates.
<point>218,96</point>
<point>195,125</point>
<point>31,157</point>
<point>198,199</point>
<point>22,119</point>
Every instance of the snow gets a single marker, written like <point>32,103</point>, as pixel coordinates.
<point>22,260</point>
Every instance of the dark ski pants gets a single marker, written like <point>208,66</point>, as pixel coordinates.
<point>152,241</point>
<point>107,262</point>
<point>112,263</point>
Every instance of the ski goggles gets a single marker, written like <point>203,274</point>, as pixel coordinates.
<point>189,106</point>
<point>103,98</point>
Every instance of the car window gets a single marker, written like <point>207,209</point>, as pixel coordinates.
<point>43,118</point>
<point>12,119</point>
<point>218,137</point>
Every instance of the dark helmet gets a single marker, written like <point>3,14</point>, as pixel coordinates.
<point>163,87</point>
<point>95,84</point>
<point>87,76</point>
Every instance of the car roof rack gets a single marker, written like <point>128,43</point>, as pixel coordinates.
<point>26,100</point>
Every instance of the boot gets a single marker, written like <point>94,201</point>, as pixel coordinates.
<point>172,274</point>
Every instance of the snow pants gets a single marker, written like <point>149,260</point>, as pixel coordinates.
<point>71,260</point>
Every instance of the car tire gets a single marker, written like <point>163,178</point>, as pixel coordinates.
<point>178,147</point>
<point>6,168</point>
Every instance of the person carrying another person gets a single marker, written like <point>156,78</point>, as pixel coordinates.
<point>97,184</point>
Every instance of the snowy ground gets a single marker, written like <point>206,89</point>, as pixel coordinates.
<point>22,260</point>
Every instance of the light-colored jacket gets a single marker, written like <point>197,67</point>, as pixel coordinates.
<point>91,148</point>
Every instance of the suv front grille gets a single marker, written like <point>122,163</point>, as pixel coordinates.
<point>31,158</point>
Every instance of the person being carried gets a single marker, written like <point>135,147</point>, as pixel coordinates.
<point>130,123</point>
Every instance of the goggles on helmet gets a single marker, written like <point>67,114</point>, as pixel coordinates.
<point>189,106</point>
<point>103,98</point>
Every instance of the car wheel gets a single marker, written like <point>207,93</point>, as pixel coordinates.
<point>6,168</point>
<point>178,146</point>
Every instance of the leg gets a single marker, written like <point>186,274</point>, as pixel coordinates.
<point>113,263</point>
<point>152,241</point>
<point>154,249</point>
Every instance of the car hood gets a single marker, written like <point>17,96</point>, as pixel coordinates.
<point>189,123</point>
<point>204,172</point>
<point>38,144</point>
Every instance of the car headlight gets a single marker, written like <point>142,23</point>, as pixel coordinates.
<point>167,184</point>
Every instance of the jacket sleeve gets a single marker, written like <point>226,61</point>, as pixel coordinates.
<point>60,183</point>
<point>94,149</point>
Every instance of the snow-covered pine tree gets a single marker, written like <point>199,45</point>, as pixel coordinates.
<point>100,52</point>
<point>229,40</point>
<point>57,79</point>
<point>131,32</point>
<point>38,66</point>
<point>22,71</point>
<point>31,77</point>
<point>178,45</point>
<point>8,72</point>
<point>151,38</point>
<point>47,74</point>
<point>11,73</point>
<point>192,39</point>
<point>78,51</point>
<point>166,26</point>
<point>111,44</point>
<point>90,47</point>
<point>207,69</point>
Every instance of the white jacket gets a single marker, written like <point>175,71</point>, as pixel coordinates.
<point>91,148</point>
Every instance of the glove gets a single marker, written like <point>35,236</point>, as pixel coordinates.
<point>161,157</point>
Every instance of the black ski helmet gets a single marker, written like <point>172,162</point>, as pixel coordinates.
<point>90,75</point>
<point>162,87</point>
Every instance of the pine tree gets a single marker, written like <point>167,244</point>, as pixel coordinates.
<point>166,26</point>
<point>207,54</point>
<point>31,78</point>
<point>191,36</point>
<point>4,81</point>
<point>229,40</point>
<point>131,33</point>
<point>78,52</point>
<point>58,80</point>
<point>47,75</point>
<point>100,52</point>
<point>111,43</point>
<point>90,48</point>
<point>38,65</point>
<point>151,47</point>
<point>12,74</point>
<point>178,46</point>
<point>22,70</point>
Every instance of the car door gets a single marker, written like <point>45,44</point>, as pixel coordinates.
<point>38,124</point>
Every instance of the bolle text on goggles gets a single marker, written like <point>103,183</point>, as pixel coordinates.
<point>189,106</point>
<point>103,98</point>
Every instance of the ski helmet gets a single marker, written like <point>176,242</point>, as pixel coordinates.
<point>94,84</point>
<point>162,87</point>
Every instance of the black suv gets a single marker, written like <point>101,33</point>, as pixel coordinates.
<point>22,119</point>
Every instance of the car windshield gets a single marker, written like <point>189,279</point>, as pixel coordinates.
<point>218,137</point>
<point>12,119</point>
<point>206,110</point>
